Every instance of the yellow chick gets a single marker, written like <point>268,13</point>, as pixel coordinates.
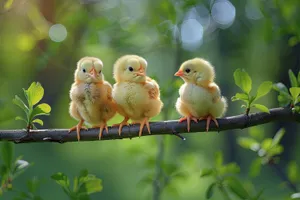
<point>136,95</point>
<point>91,96</point>
<point>200,98</point>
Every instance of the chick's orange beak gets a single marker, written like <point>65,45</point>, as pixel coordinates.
<point>179,73</point>
<point>93,72</point>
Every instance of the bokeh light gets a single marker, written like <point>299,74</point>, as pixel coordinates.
<point>223,13</point>
<point>191,34</point>
<point>58,33</point>
<point>25,42</point>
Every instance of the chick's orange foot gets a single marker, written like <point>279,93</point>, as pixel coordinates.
<point>143,122</point>
<point>208,119</point>
<point>78,127</point>
<point>102,127</point>
<point>123,123</point>
<point>188,121</point>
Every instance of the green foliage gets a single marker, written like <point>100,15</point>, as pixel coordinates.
<point>244,82</point>
<point>224,179</point>
<point>10,168</point>
<point>33,95</point>
<point>266,149</point>
<point>289,96</point>
<point>83,185</point>
<point>33,186</point>
<point>293,172</point>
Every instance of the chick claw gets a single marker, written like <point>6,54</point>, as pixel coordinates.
<point>123,123</point>
<point>208,119</point>
<point>77,128</point>
<point>188,119</point>
<point>145,121</point>
<point>103,126</point>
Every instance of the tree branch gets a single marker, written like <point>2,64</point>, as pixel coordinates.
<point>157,128</point>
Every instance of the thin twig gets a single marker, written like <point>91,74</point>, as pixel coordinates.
<point>157,128</point>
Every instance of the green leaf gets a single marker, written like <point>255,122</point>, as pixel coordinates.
<point>295,91</point>
<point>240,96</point>
<point>261,108</point>
<point>206,172</point>
<point>41,109</point>
<point>243,80</point>
<point>18,101</point>
<point>21,119</point>
<point>7,150</point>
<point>35,93</point>
<point>232,168</point>
<point>293,79</point>
<point>275,150</point>
<point>293,172</point>
<point>38,121</point>
<point>266,143</point>
<point>236,187</point>
<point>8,4</point>
<point>278,136</point>
<point>219,159</point>
<point>263,89</point>
<point>61,179</point>
<point>284,100</point>
<point>210,190</point>
<point>82,174</point>
<point>248,143</point>
<point>255,167</point>
<point>90,187</point>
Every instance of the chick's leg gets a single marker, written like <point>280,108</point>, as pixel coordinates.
<point>188,121</point>
<point>208,119</point>
<point>102,127</point>
<point>77,128</point>
<point>123,123</point>
<point>143,122</point>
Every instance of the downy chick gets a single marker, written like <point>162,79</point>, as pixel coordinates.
<point>136,95</point>
<point>91,96</point>
<point>200,98</point>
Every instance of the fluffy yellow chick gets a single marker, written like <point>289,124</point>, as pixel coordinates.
<point>91,96</point>
<point>200,98</point>
<point>136,95</point>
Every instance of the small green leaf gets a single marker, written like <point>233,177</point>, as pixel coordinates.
<point>61,179</point>
<point>7,150</point>
<point>219,159</point>
<point>293,79</point>
<point>21,119</point>
<point>8,4</point>
<point>90,187</point>
<point>284,99</point>
<point>243,80</point>
<point>261,108</point>
<point>240,96</point>
<point>38,121</point>
<point>18,101</point>
<point>255,167</point>
<point>206,172</point>
<point>278,136</point>
<point>263,89</point>
<point>248,143</point>
<point>295,91</point>
<point>82,174</point>
<point>275,150</point>
<point>35,93</point>
<point>266,143</point>
<point>293,172</point>
<point>232,168</point>
<point>210,190</point>
<point>41,109</point>
<point>236,187</point>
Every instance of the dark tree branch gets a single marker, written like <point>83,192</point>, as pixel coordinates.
<point>157,128</point>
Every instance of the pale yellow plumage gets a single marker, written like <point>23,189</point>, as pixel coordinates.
<point>136,95</point>
<point>200,98</point>
<point>91,96</point>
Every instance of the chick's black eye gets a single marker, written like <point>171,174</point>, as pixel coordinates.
<point>130,68</point>
<point>83,70</point>
<point>187,70</point>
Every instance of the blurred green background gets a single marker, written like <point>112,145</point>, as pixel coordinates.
<point>41,40</point>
